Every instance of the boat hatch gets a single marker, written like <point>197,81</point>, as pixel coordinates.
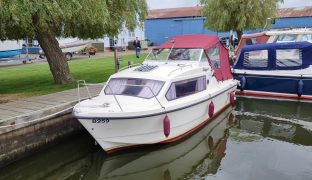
<point>146,68</point>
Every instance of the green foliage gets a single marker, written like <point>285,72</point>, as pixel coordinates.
<point>77,18</point>
<point>237,15</point>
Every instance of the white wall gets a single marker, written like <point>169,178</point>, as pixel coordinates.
<point>124,37</point>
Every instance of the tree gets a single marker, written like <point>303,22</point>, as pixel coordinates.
<point>238,15</point>
<point>47,19</point>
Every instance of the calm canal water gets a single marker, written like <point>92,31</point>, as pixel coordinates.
<point>259,139</point>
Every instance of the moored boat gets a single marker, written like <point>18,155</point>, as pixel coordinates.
<point>278,70</point>
<point>197,155</point>
<point>181,86</point>
<point>9,48</point>
<point>274,36</point>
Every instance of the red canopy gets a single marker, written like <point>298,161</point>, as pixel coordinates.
<point>191,41</point>
<point>204,41</point>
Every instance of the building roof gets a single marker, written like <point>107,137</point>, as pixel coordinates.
<point>174,12</point>
<point>196,11</point>
<point>295,12</point>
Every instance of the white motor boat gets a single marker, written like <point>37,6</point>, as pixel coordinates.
<point>180,87</point>
<point>70,46</point>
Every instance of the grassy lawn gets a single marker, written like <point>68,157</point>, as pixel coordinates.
<point>36,79</point>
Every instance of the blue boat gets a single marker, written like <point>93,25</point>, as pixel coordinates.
<point>9,49</point>
<point>275,70</point>
<point>10,53</point>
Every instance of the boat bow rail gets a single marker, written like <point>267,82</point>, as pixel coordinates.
<point>113,94</point>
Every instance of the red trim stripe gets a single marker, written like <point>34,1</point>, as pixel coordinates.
<point>273,95</point>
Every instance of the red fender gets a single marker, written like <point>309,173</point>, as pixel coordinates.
<point>211,109</point>
<point>166,124</point>
<point>232,99</point>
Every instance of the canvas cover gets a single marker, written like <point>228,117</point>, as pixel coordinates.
<point>206,42</point>
<point>304,47</point>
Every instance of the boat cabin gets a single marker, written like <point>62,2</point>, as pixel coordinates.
<point>182,65</point>
<point>275,56</point>
<point>205,49</point>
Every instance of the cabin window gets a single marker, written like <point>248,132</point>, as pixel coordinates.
<point>288,57</point>
<point>185,54</point>
<point>182,54</point>
<point>257,58</point>
<point>214,56</point>
<point>307,37</point>
<point>286,38</point>
<point>251,41</point>
<point>144,88</point>
<point>204,57</point>
<point>186,87</point>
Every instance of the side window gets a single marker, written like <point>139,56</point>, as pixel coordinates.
<point>307,37</point>
<point>186,87</point>
<point>214,56</point>
<point>288,57</point>
<point>286,38</point>
<point>257,58</point>
<point>204,57</point>
<point>251,41</point>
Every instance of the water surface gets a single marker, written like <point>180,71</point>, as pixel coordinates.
<point>259,139</point>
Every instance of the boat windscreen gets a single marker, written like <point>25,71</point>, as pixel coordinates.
<point>182,54</point>
<point>144,88</point>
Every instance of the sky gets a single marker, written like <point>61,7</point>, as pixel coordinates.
<point>160,4</point>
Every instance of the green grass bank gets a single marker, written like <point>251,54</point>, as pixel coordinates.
<point>36,79</point>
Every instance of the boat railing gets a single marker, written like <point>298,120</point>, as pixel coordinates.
<point>83,82</point>
<point>129,66</point>
<point>179,68</point>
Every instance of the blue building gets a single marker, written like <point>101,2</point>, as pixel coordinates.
<point>164,23</point>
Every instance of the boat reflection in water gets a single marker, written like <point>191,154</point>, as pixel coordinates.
<point>281,120</point>
<point>195,156</point>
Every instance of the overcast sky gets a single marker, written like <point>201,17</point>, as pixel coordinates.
<point>160,4</point>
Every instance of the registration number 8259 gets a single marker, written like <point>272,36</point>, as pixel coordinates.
<point>100,120</point>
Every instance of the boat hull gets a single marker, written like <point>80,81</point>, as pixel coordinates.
<point>74,47</point>
<point>10,53</point>
<point>285,87</point>
<point>9,48</point>
<point>116,134</point>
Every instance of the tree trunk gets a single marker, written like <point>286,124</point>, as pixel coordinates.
<point>239,34</point>
<point>56,59</point>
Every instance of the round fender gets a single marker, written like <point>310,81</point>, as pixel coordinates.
<point>211,109</point>
<point>242,83</point>
<point>300,88</point>
<point>166,124</point>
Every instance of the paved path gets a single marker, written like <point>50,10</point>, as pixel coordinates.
<point>39,107</point>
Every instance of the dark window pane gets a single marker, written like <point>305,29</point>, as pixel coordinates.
<point>186,88</point>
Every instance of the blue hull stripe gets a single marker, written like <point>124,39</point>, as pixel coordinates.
<point>10,53</point>
<point>276,84</point>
